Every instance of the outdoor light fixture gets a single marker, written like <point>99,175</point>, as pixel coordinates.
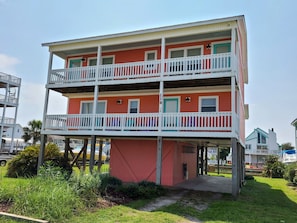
<point>208,46</point>
<point>83,59</point>
<point>188,99</point>
<point>119,101</point>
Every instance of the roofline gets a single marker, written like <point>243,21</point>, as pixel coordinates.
<point>294,122</point>
<point>151,30</point>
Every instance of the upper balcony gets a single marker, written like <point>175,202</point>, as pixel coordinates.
<point>187,68</point>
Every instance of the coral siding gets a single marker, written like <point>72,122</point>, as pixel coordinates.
<point>133,55</point>
<point>150,103</point>
<point>135,160</point>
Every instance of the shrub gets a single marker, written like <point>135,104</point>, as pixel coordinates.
<point>25,163</point>
<point>86,187</point>
<point>143,190</point>
<point>273,168</point>
<point>290,172</point>
<point>47,199</point>
<point>109,182</point>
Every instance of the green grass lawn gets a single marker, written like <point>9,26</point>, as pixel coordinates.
<point>261,200</point>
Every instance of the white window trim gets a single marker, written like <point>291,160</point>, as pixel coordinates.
<point>185,49</point>
<point>208,97</point>
<point>138,105</point>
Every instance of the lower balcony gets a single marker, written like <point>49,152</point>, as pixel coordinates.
<point>197,124</point>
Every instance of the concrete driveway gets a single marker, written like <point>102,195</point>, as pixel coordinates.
<point>208,183</point>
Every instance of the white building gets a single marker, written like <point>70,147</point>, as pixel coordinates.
<point>17,134</point>
<point>9,101</point>
<point>259,145</point>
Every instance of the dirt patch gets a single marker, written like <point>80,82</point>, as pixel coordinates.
<point>199,200</point>
<point>170,198</point>
<point>5,206</point>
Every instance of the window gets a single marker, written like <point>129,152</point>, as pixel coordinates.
<point>93,62</point>
<point>87,107</point>
<point>187,52</point>
<point>191,65</point>
<point>107,60</point>
<point>133,106</point>
<point>150,56</point>
<point>261,138</point>
<point>208,104</point>
<point>107,71</point>
<point>248,146</point>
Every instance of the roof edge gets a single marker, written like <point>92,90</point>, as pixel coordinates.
<point>150,30</point>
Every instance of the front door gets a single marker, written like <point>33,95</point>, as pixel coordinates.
<point>74,63</point>
<point>170,106</point>
<point>222,62</point>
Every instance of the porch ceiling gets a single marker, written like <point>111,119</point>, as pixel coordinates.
<point>147,86</point>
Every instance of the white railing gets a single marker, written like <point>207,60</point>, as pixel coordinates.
<point>199,64</point>
<point>7,121</point>
<point>196,121</point>
<point>145,69</point>
<point>9,78</point>
<point>9,99</point>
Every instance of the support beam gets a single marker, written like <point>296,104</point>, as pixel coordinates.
<point>218,159</point>
<point>206,163</point>
<point>92,155</point>
<point>100,154</point>
<point>235,184</point>
<point>85,154</point>
<point>67,148</point>
<point>202,160</point>
<point>159,160</point>
<point>43,139</point>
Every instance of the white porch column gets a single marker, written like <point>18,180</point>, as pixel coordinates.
<point>98,63</point>
<point>161,88</point>
<point>233,56</point>
<point>233,98</point>
<point>96,88</point>
<point>159,160</point>
<point>96,92</point>
<point>45,108</point>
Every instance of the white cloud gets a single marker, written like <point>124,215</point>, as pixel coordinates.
<point>7,63</point>
<point>31,103</point>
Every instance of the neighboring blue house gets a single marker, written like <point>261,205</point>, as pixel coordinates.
<point>259,145</point>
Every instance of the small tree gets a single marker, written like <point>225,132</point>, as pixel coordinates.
<point>290,173</point>
<point>273,168</point>
<point>287,146</point>
<point>32,131</point>
<point>25,163</point>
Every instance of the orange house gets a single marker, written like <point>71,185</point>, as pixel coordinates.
<point>162,96</point>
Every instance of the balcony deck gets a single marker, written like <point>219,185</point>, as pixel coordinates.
<point>178,69</point>
<point>186,124</point>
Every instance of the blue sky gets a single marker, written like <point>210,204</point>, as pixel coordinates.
<point>271,28</point>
